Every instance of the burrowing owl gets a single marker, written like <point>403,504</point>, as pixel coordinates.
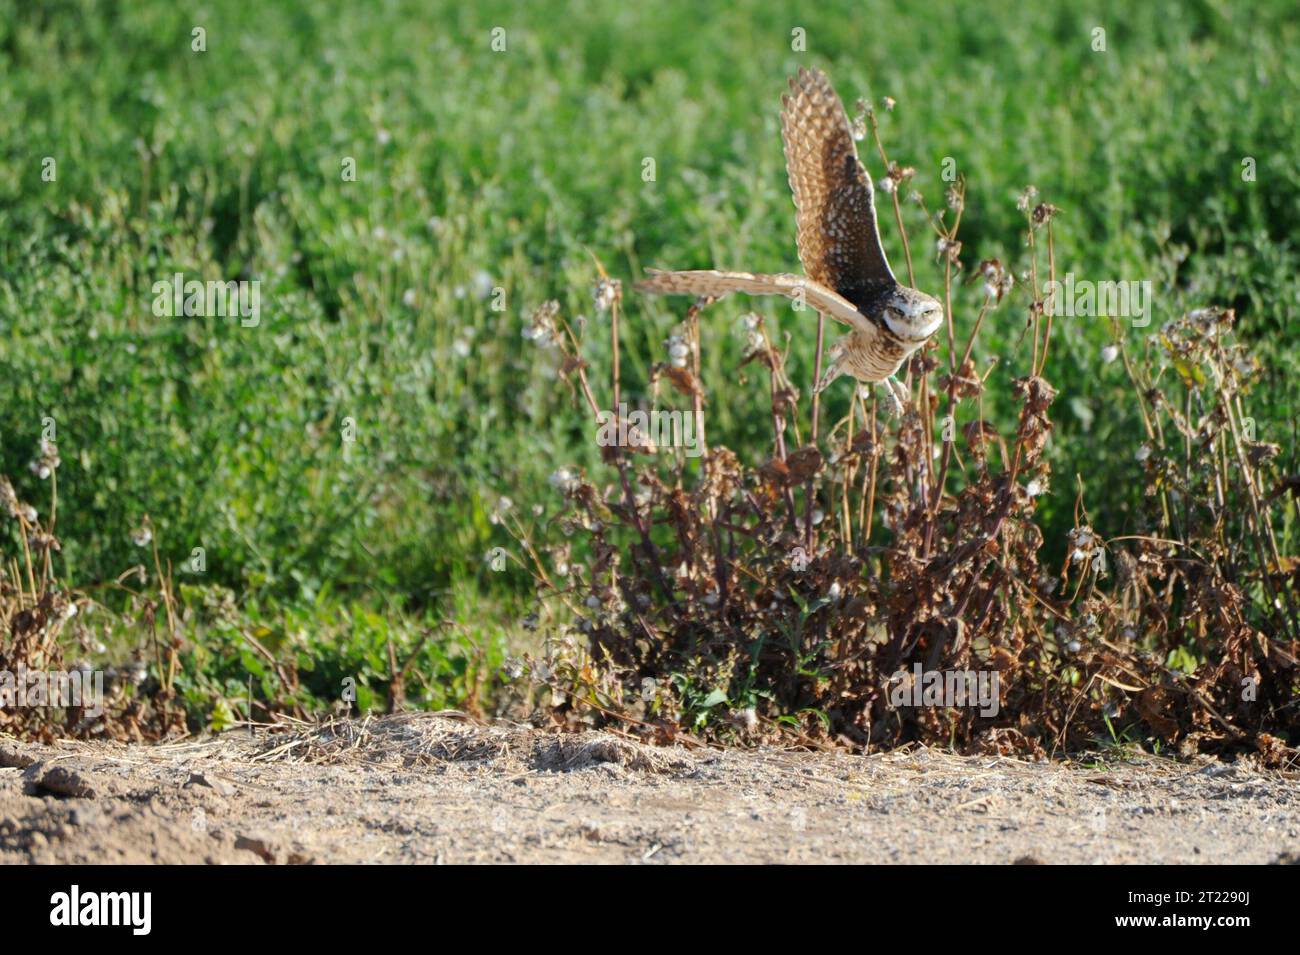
<point>846,273</point>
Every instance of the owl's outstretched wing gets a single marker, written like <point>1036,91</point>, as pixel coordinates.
<point>796,287</point>
<point>839,242</point>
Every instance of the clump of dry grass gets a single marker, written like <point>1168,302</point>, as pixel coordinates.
<point>749,600</point>
<point>438,739</point>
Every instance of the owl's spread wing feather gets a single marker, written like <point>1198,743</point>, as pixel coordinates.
<point>839,242</point>
<point>712,282</point>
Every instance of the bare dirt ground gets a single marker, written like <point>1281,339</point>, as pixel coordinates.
<point>437,789</point>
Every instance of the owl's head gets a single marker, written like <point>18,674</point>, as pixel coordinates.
<point>911,315</point>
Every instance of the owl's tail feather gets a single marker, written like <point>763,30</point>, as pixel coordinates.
<point>798,288</point>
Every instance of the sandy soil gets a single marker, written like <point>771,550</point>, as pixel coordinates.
<point>438,789</point>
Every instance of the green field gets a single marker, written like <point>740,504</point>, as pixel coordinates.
<point>510,169</point>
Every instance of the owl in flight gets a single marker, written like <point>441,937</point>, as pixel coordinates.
<point>846,274</point>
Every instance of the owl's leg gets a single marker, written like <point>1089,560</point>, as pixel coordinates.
<point>895,405</point>
<point>898,391</point>
<point>831,373</point>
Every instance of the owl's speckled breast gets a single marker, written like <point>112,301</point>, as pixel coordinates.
<point>872,357</point>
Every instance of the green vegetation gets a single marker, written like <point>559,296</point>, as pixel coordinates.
<point>479,170</point>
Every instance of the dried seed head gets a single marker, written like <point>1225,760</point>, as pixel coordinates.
<point>679,351</point>
<point>606,293</point>
<point>566,480</point>
<point>998,281</point>
<point>8,499</point>
<point>1084,544</point>
<point>542,328</point>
